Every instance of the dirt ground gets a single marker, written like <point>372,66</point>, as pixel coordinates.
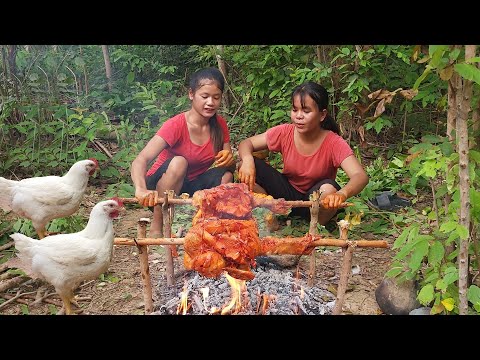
<point>120,290</point>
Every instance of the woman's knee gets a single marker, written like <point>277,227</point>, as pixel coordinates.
<point>227,178</point>
<point>177,167</point>
<point>327,189</point>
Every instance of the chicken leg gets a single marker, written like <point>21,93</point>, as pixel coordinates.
<point>67,305</point>
<point>41,233</point>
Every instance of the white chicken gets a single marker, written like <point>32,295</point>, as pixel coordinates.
<point>66,260</point>
<point>42,199</point>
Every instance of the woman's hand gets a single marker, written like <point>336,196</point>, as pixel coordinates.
<point>224,158</point>
<point>246,173</point>
<point>146,197</point>
<point>334,201</point>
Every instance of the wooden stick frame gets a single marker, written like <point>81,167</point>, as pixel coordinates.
<point>168,203</point>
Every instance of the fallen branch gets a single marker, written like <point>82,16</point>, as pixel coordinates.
<point>4,267</point>
<point>87,283</point>
<point>7,275</point>
<point>7,246</point>
<point>11,283</point>
<point>103,148</point>
<point>21,301</point>
<point>18,295</point>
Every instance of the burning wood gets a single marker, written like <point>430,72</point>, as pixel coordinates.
<point>271,292</point>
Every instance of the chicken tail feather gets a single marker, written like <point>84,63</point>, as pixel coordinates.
<point>22,242</point>
<point>6,194</point>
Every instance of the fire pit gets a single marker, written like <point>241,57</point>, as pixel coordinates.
<point>223,240</point>
<point>271,292</point>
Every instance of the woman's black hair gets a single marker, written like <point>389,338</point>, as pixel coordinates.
<point>211,73</point>
<point>320,95</point>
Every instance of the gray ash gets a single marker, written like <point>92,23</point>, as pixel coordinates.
<point>281,288</point>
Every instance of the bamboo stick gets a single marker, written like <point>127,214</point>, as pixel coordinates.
<point>359,243</point>
<point>149,241</point>
<point>316,242</point>
<point>167,228</point>
<point>258,202</point>
<point>144,269</point>
<point>346,267</point>
<point>315,197</point>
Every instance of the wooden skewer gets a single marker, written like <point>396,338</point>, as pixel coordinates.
<point>316,242</point>
<point>258,202</point>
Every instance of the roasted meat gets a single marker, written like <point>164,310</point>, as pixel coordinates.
<point>224,236</point>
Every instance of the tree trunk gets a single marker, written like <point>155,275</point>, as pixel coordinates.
<point>12,66</point>
<point>451,123</point>
<point>108,67</point>
<point>463,98</point>
<point>476,123</point>
<point>85,72</point>
<point>223,69</point>
<point>5,71</point>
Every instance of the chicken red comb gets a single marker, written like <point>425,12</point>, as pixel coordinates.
<point>95,161</point>
<point>119,202</point>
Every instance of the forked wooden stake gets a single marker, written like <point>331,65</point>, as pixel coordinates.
<point>315,199</point>
<point>346,267</point>
<point>144,268</point>
<point>167,228</point>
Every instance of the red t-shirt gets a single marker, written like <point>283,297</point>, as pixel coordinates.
<point>175,132</point>
<point>305,171</point>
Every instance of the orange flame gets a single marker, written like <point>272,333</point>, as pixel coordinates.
<point>205,292</point>
<point>183,305</point>
<point>238,287</point>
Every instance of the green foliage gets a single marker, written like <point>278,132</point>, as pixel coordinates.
<point>422,247</point>
<point>65,225</point>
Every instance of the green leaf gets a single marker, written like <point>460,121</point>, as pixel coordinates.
<point>130,77</point>
<point>401,239</point>
<point>24,309</point>
<point>52,309</point>
<point>396,161</point>
<point>474,155</point>
<point>454,54</point>
<point>394,272</point>
<point>274,93</point>
<point>448,226</point>
<point>421,250</point>
<point>473,295</point>
<point>422,77</point>
<point>450,278</point>
<point>462,232</point>
<point>425,296</point>
<point>473,60</point>
<point>469,72</point>
<point>436,253</point>
<point>430,278</point>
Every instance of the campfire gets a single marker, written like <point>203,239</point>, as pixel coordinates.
<point>221,248</point>
<point>270,292</point>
